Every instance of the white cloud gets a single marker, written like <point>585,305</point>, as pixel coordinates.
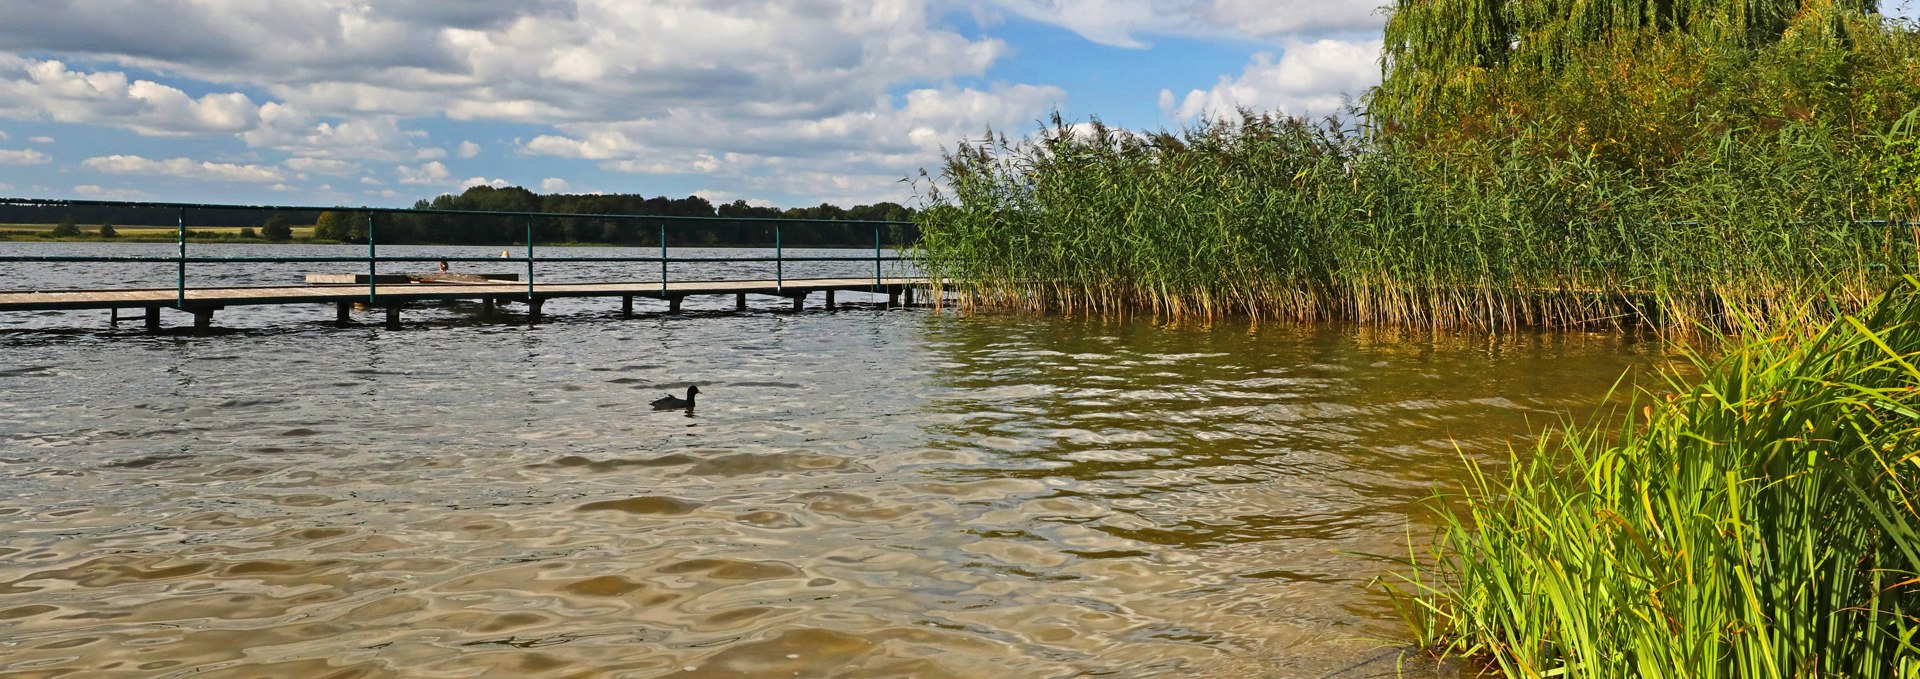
<point>43,139</point>
<point>342,78</point>
<point>184,168</point>
<point>3,135</point>
<point>483,181</point>
<point>870,150</point>
<point>544,62</point>
<point>1273,18</point>
<point>555,185</point>
<point>293,131</point>
<point>428,174</point>
<point>23,157</point>
<point>1108,22</point>
<point>764,95</point>
<point>1309,79</point>
<point>34,90</point>
<point>1122,23</point>
<point>722,197</point>
<point>326,166</point>
<point>104,193</point>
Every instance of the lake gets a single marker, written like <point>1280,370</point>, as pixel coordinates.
<point>869,492</point>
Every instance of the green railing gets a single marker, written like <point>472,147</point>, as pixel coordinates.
<point>182,211</point>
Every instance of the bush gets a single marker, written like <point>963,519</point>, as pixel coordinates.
<point>66,228</point>
<point>107,230</point>
<point>275,229</point>
<point>340,226</point>
<point>247,232</point>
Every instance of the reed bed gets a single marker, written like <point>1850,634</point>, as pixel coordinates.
<point>1655,179</point>
<point>1277,218</point>
<point>1209,224</point>
<point>1763,522</point>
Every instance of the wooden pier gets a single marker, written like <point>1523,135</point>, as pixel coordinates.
<point>204,302</point>
<point>382,287</point>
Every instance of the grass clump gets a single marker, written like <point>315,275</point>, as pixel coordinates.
<point>1763,522</point>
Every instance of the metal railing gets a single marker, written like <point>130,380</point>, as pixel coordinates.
<point>373,260</point>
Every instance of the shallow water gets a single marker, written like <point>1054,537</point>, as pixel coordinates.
<point>863,493</point>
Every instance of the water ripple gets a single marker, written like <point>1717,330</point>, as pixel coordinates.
<point>858,494</point>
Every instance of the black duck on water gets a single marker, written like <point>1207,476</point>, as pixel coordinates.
<point>675,402</point>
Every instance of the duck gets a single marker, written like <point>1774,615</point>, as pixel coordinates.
<point>674,402</point>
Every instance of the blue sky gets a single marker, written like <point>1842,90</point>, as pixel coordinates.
<point>777,102</point>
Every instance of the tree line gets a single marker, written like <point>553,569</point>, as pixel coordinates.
<point>735,223</point>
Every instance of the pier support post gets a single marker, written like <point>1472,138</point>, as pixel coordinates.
<point>202,319</point>
<point>153,319</point>
<point>909,295</point>
<point>535,305</point>
<point>153,316</point>
<point>626,306</point>
<point>830,305</point>
<point>393,316</point>
<point>799,301</point>
<point>740,302</point>
<point>673,304</point>
<point>341,311</point>
<point>893,297</point>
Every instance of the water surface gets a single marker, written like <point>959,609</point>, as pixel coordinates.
<point>866,493</point>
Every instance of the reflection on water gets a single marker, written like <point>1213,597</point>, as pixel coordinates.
<point>860,494</point>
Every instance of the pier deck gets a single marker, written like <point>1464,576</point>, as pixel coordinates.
<point>202,302</point>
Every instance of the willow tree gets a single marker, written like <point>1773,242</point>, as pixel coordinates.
<point>1442,53</point>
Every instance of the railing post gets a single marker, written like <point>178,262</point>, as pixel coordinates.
<point>180,291</point>
<point>373,267</point>
<point>529,260</point>
<point>876,258</point>
<point>663,258</point>
<point>779,267</point>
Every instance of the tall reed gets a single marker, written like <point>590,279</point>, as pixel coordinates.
<point>1275,217</point>
<point>1652,177</point>
<point>1764,522</point>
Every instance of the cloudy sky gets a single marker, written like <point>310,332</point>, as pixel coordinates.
<point>779,102</point>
